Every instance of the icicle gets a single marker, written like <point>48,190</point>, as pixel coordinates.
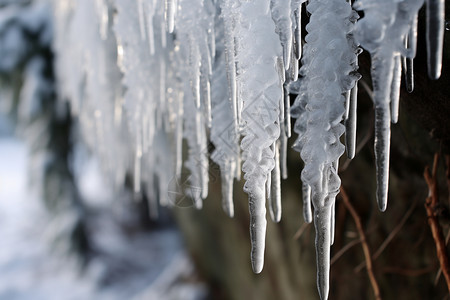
<point>384,48</point>
<point>382,82</point>
<point>435,36</point>
<point>287,111</point>
<point>268,193</point>
<point>261,92</point>
<point>275,191</point>
<point>163,33</point>
<point>347,104</point>
<point>169,14</point>
<point>408,61</point>
<point>292,73</point>
<point>395,88</point>
<point>257,230</point>
<point>204,167</point>
<point>283,152</point>
<point>179,137</point>
<point>412,37</point>
<point>281,15</point>
<point>333,223</point>
<point>296,8</point>
<point>140,6</point>
<point>137,171</point>
<point>231,77</point>
<point>212,42</point>
<point>151,35</point>
<point>408,67</point>
<point>208,103</point>
<point>306,195</point>
<point>223,132</point>
<point>350,123</point>
<point>330,28</point>
<point>322,223</point>
<point>227,191</point>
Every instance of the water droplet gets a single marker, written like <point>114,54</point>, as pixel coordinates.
<point>447,25</point>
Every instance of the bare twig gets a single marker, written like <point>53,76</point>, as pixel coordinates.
<point>438,275</point>
<point>408,272</point>
<point>343,250</point>
<point>447,174</point>
<point>301,230</point>
<point>389,239</point>
<point>365,246</point>
<point>430,204</point>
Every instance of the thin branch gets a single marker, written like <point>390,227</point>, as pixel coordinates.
<point>301,230</point>
<point>366,88</point>
<point>438,275</point>
<point>365,246</point>
<point>389,239</point>
<point>408,272</point>
<point>343,250</point>
<point>447,174</point>
<point>430,204</point>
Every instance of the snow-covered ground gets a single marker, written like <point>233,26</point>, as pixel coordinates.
<point>146,265</point>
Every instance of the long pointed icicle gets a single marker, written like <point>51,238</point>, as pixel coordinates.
<point>408,62</point>
<point>261,91</point>
<point>169,14</point>
<point>320,146</point>
<point>275,189</point>
<point>333,223</point>
<point>408,70</point>
<point>382,32</point>
<point>283,152</point>
<point>229,16</point>
<point>395,88</point>
<point>435,36</point>
<point>223,130</point>
<point>296,16</point>
<point>306,195</point>
<point>350,123</point>
<point>381,83</point>
<point>281,15</point>
<point>350,120</point>
<point>322,223</point>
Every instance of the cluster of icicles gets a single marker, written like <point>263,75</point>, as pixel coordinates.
<point>142,75</point>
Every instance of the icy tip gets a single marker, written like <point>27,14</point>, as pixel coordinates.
<point>434,74</point>
<point>323,289</point>
<point>382,205</point>
<point>257,266</point>
<point>229,211</point>
<point>275,215</point>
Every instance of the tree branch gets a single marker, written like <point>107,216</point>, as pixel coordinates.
<point>365,246</point>
<point>430,204</point>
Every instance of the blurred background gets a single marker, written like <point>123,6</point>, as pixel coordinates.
<point>67,233</point>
